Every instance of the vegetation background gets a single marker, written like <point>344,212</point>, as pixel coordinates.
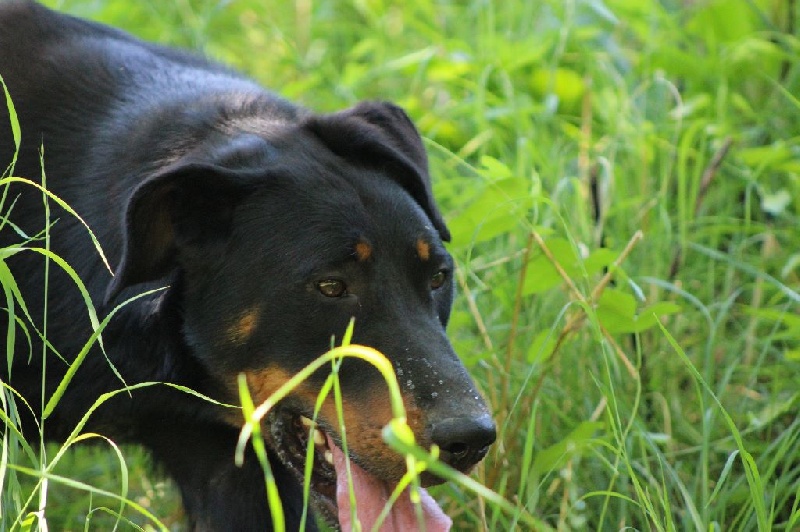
<point>622,180</point>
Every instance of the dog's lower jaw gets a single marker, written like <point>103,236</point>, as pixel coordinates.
<point>333,482</point>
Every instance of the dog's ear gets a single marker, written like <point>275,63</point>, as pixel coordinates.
<point>184,210</point>
<point>381,134</point>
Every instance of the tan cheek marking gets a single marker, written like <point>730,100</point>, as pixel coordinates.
<point>245,325</point>
<point>423,250</point>
<point>262,383</point>
<point>364,423</point>
<point>364,419</point>
<point>265,382</point>
<point>363,251</point>
<point>415,418</point>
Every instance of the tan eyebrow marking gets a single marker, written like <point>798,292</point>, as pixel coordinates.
<point>363,250</point>
<point>244,326</point>
<point>423,250</point>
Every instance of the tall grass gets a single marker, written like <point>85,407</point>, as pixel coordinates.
<point>622,181</point>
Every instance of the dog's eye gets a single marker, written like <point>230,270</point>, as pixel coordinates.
<point>438,279</point>
<point>332,287</point>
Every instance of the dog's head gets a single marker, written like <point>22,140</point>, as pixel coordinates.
<point>281,234</point>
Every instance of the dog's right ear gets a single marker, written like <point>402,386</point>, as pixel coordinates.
<point>181,213</point>
<point>382,134</point>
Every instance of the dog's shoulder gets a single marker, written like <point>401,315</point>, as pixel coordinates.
<point>26,24</point>
<point>40,44</point>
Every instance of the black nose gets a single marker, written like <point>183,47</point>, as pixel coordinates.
<point>465,440</point>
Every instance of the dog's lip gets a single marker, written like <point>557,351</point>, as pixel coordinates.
<point>288,434</point>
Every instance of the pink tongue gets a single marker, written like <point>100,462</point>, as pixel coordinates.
<point>371,495</point>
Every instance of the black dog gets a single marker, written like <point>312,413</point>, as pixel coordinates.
<point>272,227</point>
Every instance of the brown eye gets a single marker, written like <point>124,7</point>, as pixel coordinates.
<point>332,288</point>
<point>438,279</point>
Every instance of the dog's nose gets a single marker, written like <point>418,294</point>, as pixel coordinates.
<point>464,440</point>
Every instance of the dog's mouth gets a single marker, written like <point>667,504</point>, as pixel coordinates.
<point>333,481</point>
<point>288,435</point>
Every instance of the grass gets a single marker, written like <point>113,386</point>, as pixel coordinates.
<point>622,180</point>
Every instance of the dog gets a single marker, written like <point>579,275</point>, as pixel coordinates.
<point>267,228</point>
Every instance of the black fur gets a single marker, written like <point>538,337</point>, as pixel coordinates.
<point>195,178</point>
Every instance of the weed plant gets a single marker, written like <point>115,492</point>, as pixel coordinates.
<point>622,181</point>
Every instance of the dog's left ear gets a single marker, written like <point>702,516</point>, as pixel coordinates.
<point>179,215</point>
<point>381,134</point>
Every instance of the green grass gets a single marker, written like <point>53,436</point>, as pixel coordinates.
<point>680,120</point>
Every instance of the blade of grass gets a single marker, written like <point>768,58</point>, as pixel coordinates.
<point>749,464</point>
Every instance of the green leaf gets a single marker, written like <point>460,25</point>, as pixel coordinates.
<point>565,83</point>
<point>792,354</point>
<point>454,68</point>
<point>542,274</point>
<point>542,347</point>
<point>722,21</point>
<point>766,156</point>
<point>576,443</point>
<point>494,169</point>
<point>649,316</point>
<point>776,203</point>
<point>495,211</point>
<point>616,310</point>
<point>15,129</point>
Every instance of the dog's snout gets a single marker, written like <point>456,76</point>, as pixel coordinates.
<point>464,440</point>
